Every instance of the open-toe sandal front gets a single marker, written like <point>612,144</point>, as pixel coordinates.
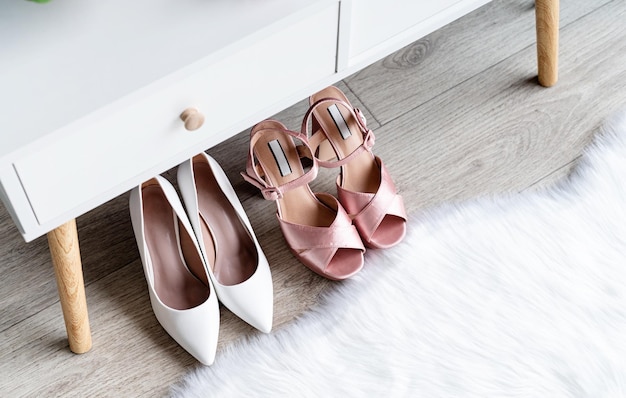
<point>316,227</point>
<point>340,138</point>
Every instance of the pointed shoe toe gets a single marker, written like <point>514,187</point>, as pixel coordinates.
<point>181,294</point>
<point>235,261</point>
<point>253,299</point>
<point>194,329</point>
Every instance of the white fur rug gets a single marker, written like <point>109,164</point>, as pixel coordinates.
<point>518,296</point>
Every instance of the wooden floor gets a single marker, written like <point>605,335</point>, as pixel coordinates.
<point>457,115</point>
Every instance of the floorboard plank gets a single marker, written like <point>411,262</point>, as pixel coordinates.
<point>447,57</point>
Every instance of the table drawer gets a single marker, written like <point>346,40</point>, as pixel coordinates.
<point>96,155</point>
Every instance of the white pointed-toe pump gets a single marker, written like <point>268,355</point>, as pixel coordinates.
<point>181,293</point>
<point>236,264</point>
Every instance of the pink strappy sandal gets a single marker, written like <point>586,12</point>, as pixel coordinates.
<point>364,187</point>
<point>317,229</point>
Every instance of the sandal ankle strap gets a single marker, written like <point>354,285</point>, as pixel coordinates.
<point>255,174</point>
<point>318,137</point>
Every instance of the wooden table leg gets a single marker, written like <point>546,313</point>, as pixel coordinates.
<point>65,251</point>
<point>547,16</point>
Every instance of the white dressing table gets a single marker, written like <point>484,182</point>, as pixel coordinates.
<point>91,92</point>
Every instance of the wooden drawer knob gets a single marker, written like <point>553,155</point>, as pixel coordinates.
<point>193,119</point>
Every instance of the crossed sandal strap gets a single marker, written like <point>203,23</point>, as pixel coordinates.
<point>255,174</point>
<point>318,138</point>
<point>318,245</point>
<point>368,210</point>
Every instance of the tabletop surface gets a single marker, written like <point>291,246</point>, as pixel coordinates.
<point>62,60</point>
